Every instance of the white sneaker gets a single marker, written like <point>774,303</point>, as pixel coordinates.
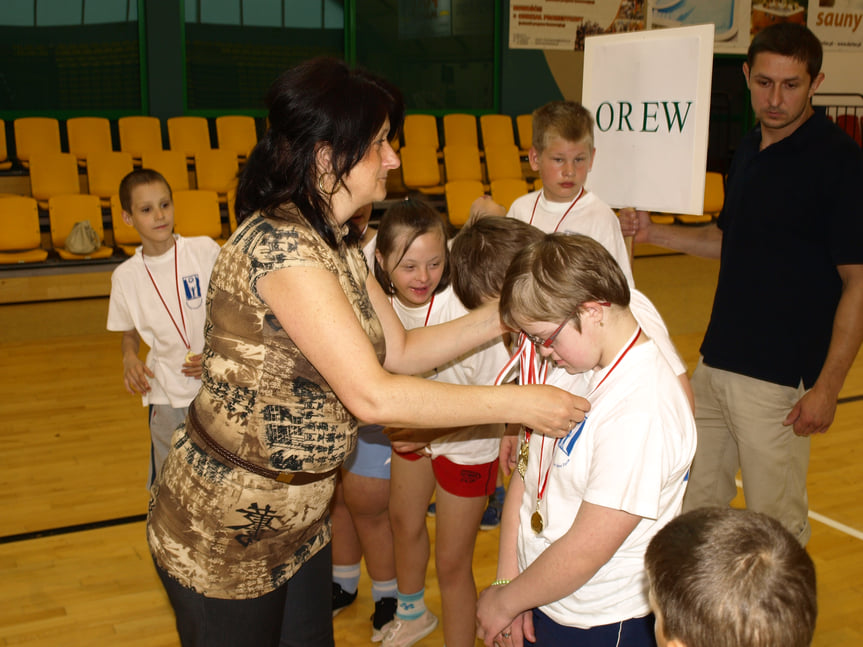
<point>404,633</point>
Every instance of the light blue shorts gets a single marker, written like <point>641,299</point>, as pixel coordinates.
<point>372,455</point>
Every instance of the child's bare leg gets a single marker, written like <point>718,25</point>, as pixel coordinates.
<point>411,487</point>
<point>458,520</point>
<point>367,498</point>
<point>346,544</point>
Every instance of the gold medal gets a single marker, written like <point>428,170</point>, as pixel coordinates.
<point>521,464</point>
<point>536,522</point>
<point>189,356</point>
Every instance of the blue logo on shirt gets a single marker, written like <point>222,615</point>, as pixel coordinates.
<point>192,288</point>
<point>567,444</point>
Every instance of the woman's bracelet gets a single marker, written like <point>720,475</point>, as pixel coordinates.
<point>500,582</point>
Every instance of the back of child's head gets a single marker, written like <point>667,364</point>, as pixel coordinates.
<point>720,576</point>
<point>568,120</point>
<point>481,254</point>
<point>136,178</point>
<point>549,280</point>
<point>401,224</point>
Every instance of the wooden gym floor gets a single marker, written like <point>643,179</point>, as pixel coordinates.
<point>74,565</point>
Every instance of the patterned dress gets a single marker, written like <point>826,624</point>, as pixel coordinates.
<point>222,530</point>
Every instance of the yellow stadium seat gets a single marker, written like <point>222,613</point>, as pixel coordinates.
<point>20,240</point>
<point>460,195</point>
<point>216,170</point>
<point>496,130</point>
<point>421,170</point>
<point>53,174</point>
<point>105,169</point>
<point>505,191</point>
<point>126,237</point>
<point>171,164</point>
<point>461,162</point>
<point>421,130</point>
<point>237,133</point>
<point>714,197</point>
<point>502,162</point>
<point>64,211</point>
<point>460,129</point>
<point>88,135</point>
<point>35,135</point>
<point>196,213</point>
<point>524,126</point>
<point>139,134</point>
<point>189,135</point>
<point>5,162</point>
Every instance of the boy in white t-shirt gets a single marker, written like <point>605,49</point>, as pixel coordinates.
<point>158,295</point>
<point>562,152</point>
<point>580,511</point>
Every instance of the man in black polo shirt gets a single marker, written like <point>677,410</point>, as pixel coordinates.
<point>787,317</point>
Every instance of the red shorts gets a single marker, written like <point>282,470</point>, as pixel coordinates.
<point>461,480</point>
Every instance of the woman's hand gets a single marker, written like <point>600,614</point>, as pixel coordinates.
<point>549,410</point>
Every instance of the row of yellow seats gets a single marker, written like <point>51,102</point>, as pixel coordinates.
<point>138,135</point>
<point>53,173</point>
<point>461,129</point>
<point>423,171</point>
<point>196,213</point>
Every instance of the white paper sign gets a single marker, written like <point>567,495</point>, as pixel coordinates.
<point>649,93</point>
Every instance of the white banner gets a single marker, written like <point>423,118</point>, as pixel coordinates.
<point>649,93</point>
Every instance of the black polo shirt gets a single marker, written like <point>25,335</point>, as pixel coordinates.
<point>792,213</point>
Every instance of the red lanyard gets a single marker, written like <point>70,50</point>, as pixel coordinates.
<point>541,483</point>
<point>565,213</point>
<point>179,302</point>
<point>428,312</point>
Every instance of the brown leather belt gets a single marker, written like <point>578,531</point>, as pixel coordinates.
<point>196,432</point>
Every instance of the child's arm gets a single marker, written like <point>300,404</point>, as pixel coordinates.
<point>192,367</point>
<point>595,535</point>
<point>509,444</point>
<point>135,372</point>
<point>488,614</point>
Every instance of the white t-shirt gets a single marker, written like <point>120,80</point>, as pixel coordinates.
<point>631,453</point>
<point>592,217</point>
<point>135,305</point>
<point>589,216</point>
<point>476,444</point>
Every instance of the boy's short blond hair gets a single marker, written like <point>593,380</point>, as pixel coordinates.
<point>136,178</point>
<point>481,254</point>
<point>550,280</point>
<point>568,120</point>
<point>721,576</point>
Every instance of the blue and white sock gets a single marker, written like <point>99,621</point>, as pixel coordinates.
<point>386,589</point>
<point>411,606</point>
<point>347,576</point>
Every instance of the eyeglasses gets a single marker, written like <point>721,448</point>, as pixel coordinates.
<point>546,343</point>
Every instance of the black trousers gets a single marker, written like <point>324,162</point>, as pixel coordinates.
<point>298,614</point>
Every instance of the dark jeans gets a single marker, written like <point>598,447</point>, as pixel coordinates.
<point>298,614</point>
<point>635,632</point>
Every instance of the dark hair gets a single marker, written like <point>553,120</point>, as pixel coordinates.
<point>136,178</point>
<point>319,102</point>
<point>721,576</point>
<point>789,39</point>
<point>550,279</point>
<point>401,224</point>
<point>481,254</point>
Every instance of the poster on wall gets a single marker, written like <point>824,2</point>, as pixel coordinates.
<point>553,24</point>
<point>730,18</point>
<point>838,23</point>
<point>649,93</point>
